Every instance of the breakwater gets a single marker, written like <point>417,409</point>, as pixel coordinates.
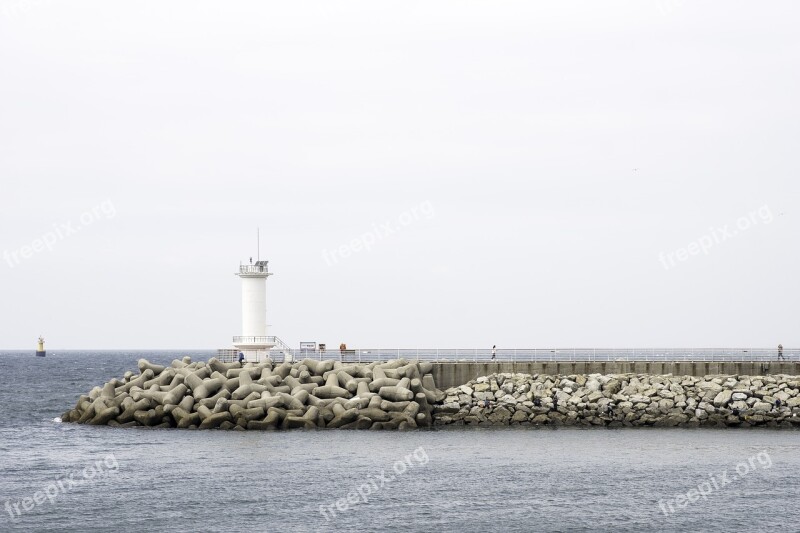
<point>307,394</point>
<point>623,400</point>
<point>403,395</point>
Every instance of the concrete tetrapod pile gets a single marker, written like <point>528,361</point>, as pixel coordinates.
<point>624,400</point>
<point>308,394</point>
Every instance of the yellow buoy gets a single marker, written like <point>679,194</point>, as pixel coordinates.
<point>40,348</point>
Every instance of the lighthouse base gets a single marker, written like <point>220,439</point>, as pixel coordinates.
<point>40,353</point>
<point>252,354</point>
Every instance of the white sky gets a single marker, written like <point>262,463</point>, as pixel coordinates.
<point>534,158</point>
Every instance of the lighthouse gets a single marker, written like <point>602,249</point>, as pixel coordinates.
<point>254,342</point>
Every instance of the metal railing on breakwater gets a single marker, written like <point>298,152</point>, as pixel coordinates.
<point>542,354</point>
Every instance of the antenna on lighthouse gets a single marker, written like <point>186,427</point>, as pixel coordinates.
<point>258,243</point>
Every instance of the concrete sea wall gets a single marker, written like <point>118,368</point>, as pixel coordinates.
<point>451,374</point>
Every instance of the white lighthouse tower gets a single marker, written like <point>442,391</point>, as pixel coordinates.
<point>254,342</point>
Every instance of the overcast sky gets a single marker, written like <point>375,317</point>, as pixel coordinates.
<point>424,174</point>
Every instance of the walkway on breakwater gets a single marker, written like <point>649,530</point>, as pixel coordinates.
<point>456,366</point>
<point>477,355</point>
<point>453,374</point>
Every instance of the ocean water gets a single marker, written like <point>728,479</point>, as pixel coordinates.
<point>65,477</point>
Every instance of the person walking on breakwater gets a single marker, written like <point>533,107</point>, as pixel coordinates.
<point>494,352</point>
<point>780,353</point>
<point>241,358</point>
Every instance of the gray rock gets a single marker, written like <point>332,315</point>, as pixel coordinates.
<point>722,398</point>
<point>762,406</point>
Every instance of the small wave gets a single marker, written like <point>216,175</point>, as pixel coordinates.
<point>57,420</point>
